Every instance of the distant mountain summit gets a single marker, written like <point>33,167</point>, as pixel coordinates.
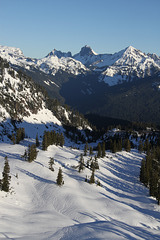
<point>59,54</point>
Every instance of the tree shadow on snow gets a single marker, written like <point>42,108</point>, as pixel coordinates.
<point>32,175</point>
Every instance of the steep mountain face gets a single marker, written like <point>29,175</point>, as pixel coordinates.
<point>22,100</point>
<point>18,95</point>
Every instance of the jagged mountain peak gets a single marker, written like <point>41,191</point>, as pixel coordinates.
<point>87,51</point>
<point>59,54</point>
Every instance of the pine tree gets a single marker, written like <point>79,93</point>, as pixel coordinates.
<point>140,147</point>
<point>127,145</point>
<point>13,139</point>
<point>59,180</point>
<point>96,165</point>
<point>114,146</point>
<point>61,140</point>
<point>51,162</point>
<point>103,149</point>
<point>6,178</point>
<point>81,163</point>
<point>44,141</point>
<point>20,134</point>
<point>92,179</point>
<point>99,150</point>
<point>37,141</point>
<point>90,151</point>
<point>32,153</point>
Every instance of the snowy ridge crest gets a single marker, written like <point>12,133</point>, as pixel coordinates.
<point>119,67</point>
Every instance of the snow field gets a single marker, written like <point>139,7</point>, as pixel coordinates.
<point>37,208</point>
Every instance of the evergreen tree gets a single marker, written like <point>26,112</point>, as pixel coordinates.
<point>114,146</point>
<point>96,165</point>
<point>20,134</point>
<point>99,150</point>
<point>13,139</point>
<point>92,179</point>
<point>153,186</point>
<point>61,140</point>
<point>81,163</point>
<point>140,147</point>
<point>127,145</point>
<point>44,142</point>
<point>37,141</point>
<point>6,178</point>
<point>32,153</point>
<point>103,150</point>
<point>59,180</point>
<point>51,162</point>
<point>119,145</point>
<point>90,150</point>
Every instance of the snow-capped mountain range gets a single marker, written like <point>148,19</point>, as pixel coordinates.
<point>124,65</point>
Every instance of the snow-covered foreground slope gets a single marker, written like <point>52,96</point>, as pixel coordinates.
<point>38,209</point>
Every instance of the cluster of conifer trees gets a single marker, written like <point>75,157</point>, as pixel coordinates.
<point>150,169</point>
<point>19,136</point>
<point>116,144</point>
<point>91,163</point>
<point>31,153</point>
<point>50,138</point>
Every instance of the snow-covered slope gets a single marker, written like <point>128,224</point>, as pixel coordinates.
<point>55,61</point>
<point>38,209</point>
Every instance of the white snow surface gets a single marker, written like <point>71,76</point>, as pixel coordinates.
<point>38,209</point>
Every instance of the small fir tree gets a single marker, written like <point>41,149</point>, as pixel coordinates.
<point>140,147</point>
<point>13,139</point>
<point>81,163</point>
<point>92,179</point>
<point>51,162</point>
<point>6,178</point>
<point>99,150</point>
<point>59,180</point>
<point>31,153</point>
<point>61,140</point>
<point>127,145</point>
<point>37,141</point>
<point>90,151</point>
<point>103,150</point>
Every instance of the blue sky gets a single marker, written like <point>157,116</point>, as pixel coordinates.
<point>39,26</point>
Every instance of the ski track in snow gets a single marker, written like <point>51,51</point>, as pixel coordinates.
<point>38,209</point>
